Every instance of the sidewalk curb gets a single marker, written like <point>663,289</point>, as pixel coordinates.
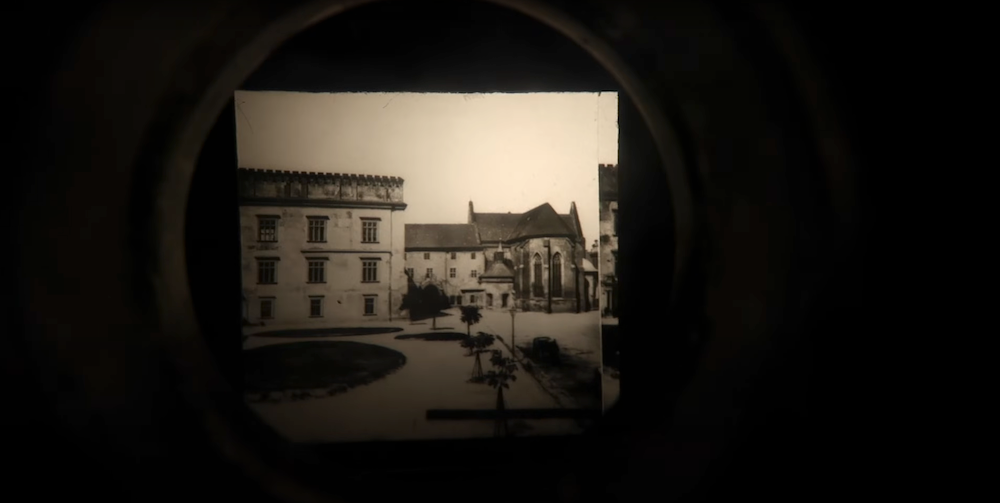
<point>533,375</point>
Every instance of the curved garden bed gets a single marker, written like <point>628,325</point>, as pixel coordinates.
<point>300,370</point>
<point>434,336</point>
<point>328,332</point>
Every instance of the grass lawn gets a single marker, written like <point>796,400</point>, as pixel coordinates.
<point>329,332</point>
<point>434,336</point>
<point>314,365</point>
<point>573,375</point>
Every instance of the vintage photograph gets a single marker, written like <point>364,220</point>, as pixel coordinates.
<point>428,266</point>
<point>606,257</point>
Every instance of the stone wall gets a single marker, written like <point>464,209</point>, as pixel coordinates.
<point>442,262</point>
<point>258,183</point>
<point>533,292</point>
<point>293,198</point>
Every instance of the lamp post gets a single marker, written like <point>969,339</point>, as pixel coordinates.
<point>513,346</point>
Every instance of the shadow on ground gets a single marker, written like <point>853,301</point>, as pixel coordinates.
<point>434,336</point>
<point>314,369</point>
<point>328,332</point>
<point>571,373</point>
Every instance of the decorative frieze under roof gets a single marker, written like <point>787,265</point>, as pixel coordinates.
<point>298,188</point>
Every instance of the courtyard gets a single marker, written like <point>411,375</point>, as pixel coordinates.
<point>435,376</point>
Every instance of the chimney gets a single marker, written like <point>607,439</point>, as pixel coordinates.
<point>472,214</point>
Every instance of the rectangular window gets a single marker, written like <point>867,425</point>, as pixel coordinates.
<point>427,256</point>
<point>430,272</point>
<point>267,271</point>
<point>267,229</point>
<point>266,309</point>
<point>371,302</point>
<point>317,229</point>
<point>409,271</point>
<point>315,307</point>
<point>317,271</point>
<point>369,230</point>
<point>473,255</point>
<point>472,299</point>
<point>453,255</point>
<point>369,271</point>
<point>473,273</point>
<point>452,272</point>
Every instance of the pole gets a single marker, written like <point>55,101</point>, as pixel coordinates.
<point>548,248</point>
<point>513,346</point>
<point>576,280</point>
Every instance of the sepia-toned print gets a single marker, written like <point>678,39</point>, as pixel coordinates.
<point>420,266</point>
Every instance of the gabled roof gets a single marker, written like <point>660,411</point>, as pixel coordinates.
<point>498,270</point>
<point>537,222</point>
<point>496,226</point>
<point>569,221</point>
<point>541,221</point>
<point>588,266</point>
<point>441,237</point>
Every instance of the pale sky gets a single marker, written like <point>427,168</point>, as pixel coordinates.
<point>504,152</point>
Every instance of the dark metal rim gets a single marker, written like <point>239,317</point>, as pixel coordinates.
<point>171,155</point>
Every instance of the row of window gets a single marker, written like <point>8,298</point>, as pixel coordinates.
<point>267,229</point>
<point>452,272</point>
<point>473,299</point>
<point>427,256</point>
<point>316,306</point>
<point>267,271</point>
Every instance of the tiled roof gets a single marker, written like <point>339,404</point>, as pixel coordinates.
<point>588,266</point>
<point>498,270</point>
<point>538,221</point>
<point>568,220</point>
<point>541,221</point>
<point>441,236</point>
<point>496,226</point>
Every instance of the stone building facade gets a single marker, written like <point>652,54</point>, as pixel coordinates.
<point>608,242</point>
<point>318,247</point>
<point>447,255</point>
<point>533,261</point>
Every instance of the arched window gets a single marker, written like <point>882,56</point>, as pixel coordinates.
<point>557,284</point>
<point>537,283</point>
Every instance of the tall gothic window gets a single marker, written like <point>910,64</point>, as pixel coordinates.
<point>538,288</point>
<point>557,285</point>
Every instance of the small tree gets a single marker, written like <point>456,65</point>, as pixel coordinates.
<point>478,345</point>
<point>470,316</point>
<point>412,300</point>
<point>435,300</point>
<point>423,301</point>
<point>500,377</point>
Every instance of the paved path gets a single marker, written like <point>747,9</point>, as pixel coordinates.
<point>579,333</point>
<point>394,408</point>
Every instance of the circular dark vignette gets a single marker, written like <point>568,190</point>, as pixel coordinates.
<point>197,96</point>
